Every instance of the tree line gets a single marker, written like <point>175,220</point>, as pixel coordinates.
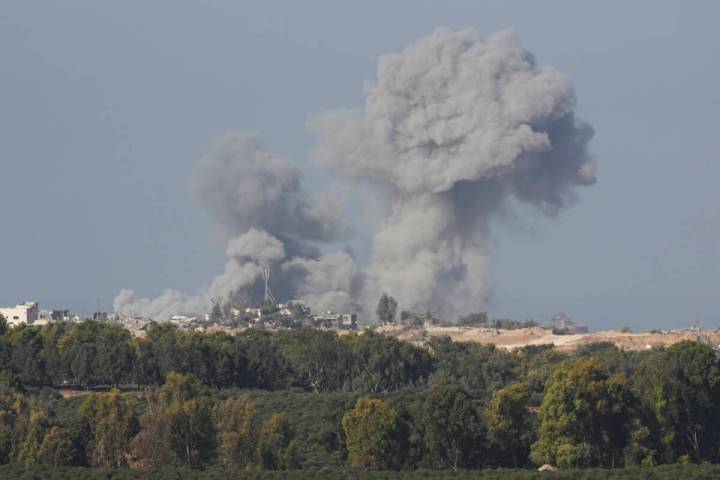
<point>307,398</point>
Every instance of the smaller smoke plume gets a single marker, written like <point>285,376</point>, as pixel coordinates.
<point>324,283</point>
<point>246,187</point>
<point>258,198</point>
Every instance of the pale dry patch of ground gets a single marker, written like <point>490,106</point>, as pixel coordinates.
<point>511,339</point>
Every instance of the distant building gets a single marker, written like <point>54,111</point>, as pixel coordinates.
<point>329,319</point>
<point>26,312</point>
<point>560,321</point>
<point>58,315</point>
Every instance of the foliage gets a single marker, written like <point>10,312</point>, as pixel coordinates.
<point>370,430</point>
<point>681,389</point>
<point>234,419</point>
<point>509,422</point>
<point>113,425</point>
<point>150,448</point>
<point>584,417</point>
<point>386,309</point>
<point>450,428</point>
<point>275,447</point>
<point>188,411</point>
<point>219,404</point>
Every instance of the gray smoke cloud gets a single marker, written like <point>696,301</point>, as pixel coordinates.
<point>272,222</point>
<point>452,130</point>
<point>246,187</point>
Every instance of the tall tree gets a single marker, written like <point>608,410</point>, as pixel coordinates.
<point>112,362</point>
<point>509,422</point>
<point>681,389</point>
<point>151,446</point>
<point>451,428</point>
<point>585,417</point>
<point>234,418</point>
<point>386,309</point>
<point>57,448</point>
<point>26,360</point>
<point>275,447</point>
<point>320,360</point>
<point>190,418</point>
<point>31,426</point>
<point>55,367</point>
<point>370,434</point>
<point>113,424</point>
<point>79,350</point>
<point>381,363</point>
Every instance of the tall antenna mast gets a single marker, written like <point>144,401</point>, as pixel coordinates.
<point>269,297</point>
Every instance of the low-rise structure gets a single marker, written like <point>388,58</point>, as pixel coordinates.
<point>329,319</point>
<point>561,322</point>
<point>26,312</point>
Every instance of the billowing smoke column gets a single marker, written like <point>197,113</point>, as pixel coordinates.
<point>272,223</point>
<point>452,129</point>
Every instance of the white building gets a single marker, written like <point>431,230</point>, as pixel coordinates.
<point>22,313</point>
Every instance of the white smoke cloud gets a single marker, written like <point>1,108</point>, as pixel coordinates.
<point>242,270</point>
<point>258,245</point>
<point>453,127</point>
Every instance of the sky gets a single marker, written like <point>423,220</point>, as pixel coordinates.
<point>105,106</point>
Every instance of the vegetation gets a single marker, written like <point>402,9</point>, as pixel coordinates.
<point>313,404</point>
<point>481,319</point>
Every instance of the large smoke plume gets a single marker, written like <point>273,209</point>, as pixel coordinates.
<point>452,129</point>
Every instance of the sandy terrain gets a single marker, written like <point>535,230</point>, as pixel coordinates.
<point>537,336</point>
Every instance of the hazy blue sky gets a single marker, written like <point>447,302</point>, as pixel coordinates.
<point>104,106</point>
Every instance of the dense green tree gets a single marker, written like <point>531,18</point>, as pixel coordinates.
<point>113,424</point>
<point>57,448</point>
<point>189,414</point>
<point>382,363</point>
<point>151,448</point>
<point>26,359</point>
<point>275,446</point>
<point>145,368</point>
<point>451,428</point>
<point>509,423</point>
<point>55,367</point>
<point>31,429</point>
<point>681,390</point>
<point>319,359</point>
<point>475,319</point>
<point>113,356</point>
<point>229,361</point>
<point>162,338</point>
<point>386,309</point>
<point>234,420</point>
<point>371,434</point>
<point>585,417</point>
<point>481,368</point>
<point>79,350</point>
<point>268,368</point>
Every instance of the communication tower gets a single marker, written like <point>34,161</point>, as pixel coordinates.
<point>269,297</point>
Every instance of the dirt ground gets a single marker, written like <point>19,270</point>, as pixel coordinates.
<point>511,339</point>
